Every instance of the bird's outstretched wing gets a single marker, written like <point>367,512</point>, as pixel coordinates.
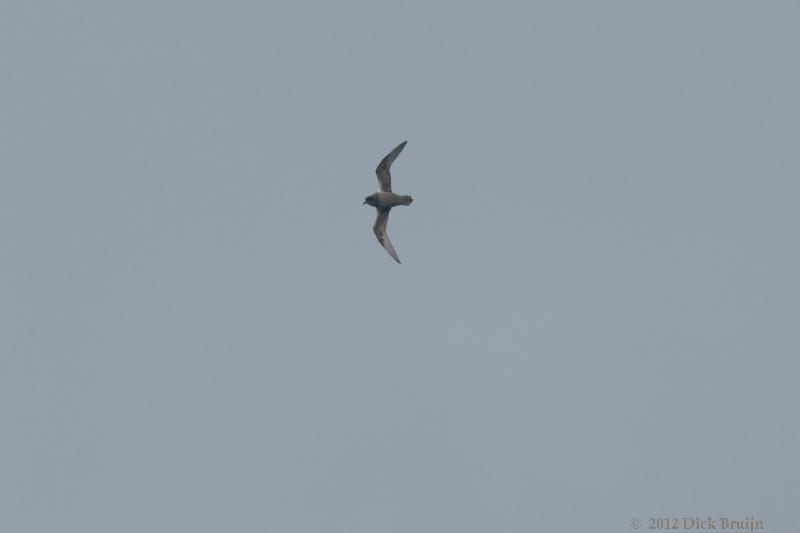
<point>384,178</point>
<point>380,232</point>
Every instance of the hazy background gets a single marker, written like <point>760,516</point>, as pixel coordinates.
<point>597,317</point>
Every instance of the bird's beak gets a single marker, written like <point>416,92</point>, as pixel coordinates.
<point>362,203</point>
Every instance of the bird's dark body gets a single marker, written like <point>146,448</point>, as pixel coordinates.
<point>387,200</point>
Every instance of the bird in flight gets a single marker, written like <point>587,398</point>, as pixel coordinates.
<point>384,200</point>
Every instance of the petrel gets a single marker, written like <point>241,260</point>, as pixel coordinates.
<point>384,200</point>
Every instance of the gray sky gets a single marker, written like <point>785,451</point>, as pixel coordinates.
<point>597,317</point>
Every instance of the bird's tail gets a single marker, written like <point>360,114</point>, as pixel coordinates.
<point>407,200</point>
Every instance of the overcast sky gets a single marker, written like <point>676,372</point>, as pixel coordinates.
<point>597,317</point>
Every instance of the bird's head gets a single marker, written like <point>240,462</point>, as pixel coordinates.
<point>370,200</point>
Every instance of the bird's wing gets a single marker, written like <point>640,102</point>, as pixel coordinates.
<point>384,178</point>
<point>380,232</point>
